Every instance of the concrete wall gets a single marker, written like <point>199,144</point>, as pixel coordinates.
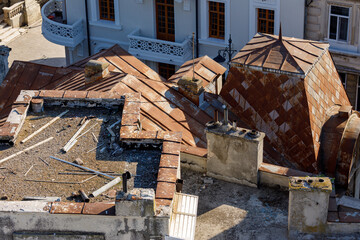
<point>292,18</point>
<point>233,156</point>
<point>112,227</point>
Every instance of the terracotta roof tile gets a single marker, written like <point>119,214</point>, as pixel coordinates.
<point>289,55</point>
<point>204,67</point>
<point>290,109</point>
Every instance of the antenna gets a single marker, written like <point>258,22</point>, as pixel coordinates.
<point>280,34</point>
<point>193,57</point>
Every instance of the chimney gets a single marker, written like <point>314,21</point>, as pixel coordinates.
<point>192,88</point>
<point>4,63</point>
<point>234,154</point>
<point>95,70</point>
<point>308,204</point>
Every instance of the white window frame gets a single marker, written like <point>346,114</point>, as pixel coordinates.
<point>273,5</point>
<point>204,24</point>
<point>95,16</point>
<point>338,23</point>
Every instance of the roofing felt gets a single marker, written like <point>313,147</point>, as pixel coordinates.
<point>283,54</point>
<point>205,69</point>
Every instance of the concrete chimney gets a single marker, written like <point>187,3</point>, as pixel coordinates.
<point>308,204</point>
<point>95,70</point>
<point>4,62</point>
<point>234,154</point>
<point>192,89</point>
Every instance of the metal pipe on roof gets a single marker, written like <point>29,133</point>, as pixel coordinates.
<point>87,27</point>
<point>105,187</point>
<point>89,169</point>
<point>197,27</point>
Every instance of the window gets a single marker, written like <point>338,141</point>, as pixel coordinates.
<point>106,8</point>
<point>165,20</point>
<point>343,78</point>
<point>265,19</point>
<point>166,70</point>
<point>216,20</point>
<point>339,23</point>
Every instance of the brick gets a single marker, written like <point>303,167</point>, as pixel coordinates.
<point>51,93</point>
<point>99,208</point>
<point>165,190</point>
<point>75,94</point>
<point>167,175</point>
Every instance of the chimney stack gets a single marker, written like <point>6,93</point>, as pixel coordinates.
<point>234,154</point>
<point>308,204</point>
<point>95,70</point>
<point>192,88</point>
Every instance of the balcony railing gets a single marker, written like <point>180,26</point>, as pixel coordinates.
<point>55,30</point>
<point>158,50</point>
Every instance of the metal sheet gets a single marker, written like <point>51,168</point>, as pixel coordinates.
<point>183,216</point>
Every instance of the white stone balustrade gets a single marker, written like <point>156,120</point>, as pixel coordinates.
<point>159,50</point>
<point>59,32</point>
<point>14,15</point>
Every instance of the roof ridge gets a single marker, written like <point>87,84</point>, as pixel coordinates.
<point>292,57</point>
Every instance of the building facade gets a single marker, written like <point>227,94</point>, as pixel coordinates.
<point>336,22</point>
<point>160,31</point>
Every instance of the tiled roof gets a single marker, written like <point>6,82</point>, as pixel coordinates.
<point>205,69</point>
<point>290,109</point>
<point>162,108</point>
<point>289,55</point>
<point>30,76</point>
<point>121,61</point>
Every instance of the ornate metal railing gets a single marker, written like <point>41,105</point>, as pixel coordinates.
<point>60,33</point>
<point>159,50</point>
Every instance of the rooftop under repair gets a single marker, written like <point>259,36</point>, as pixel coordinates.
<point>34,173</point>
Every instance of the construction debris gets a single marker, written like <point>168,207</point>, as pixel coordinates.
<point>79,161</point>
<point>45,126</point>
<point>85,173</point>
<point>95,148</point>
<point>105,187</point>
<point>64,182</point>
<point>44,161</point>
<point>83,195</point>
<point>94,137</point>
<point>87,131</point>
<point>42,199</point>
<point>25,150</point>
<point>82,167</point>
<point>73,140</point>
<point>28,170</point>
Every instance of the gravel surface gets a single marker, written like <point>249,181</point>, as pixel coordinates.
<point>143,164</point>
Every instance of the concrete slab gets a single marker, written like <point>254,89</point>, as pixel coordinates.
<point>33,47</point>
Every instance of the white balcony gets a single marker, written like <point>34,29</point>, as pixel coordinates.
<point>158,50</point>
<point>55,29</point>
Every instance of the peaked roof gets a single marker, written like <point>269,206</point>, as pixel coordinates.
<point>162,108</point>
<point>121,61</point>
<point>204,67</point>
<point>284,54</point>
